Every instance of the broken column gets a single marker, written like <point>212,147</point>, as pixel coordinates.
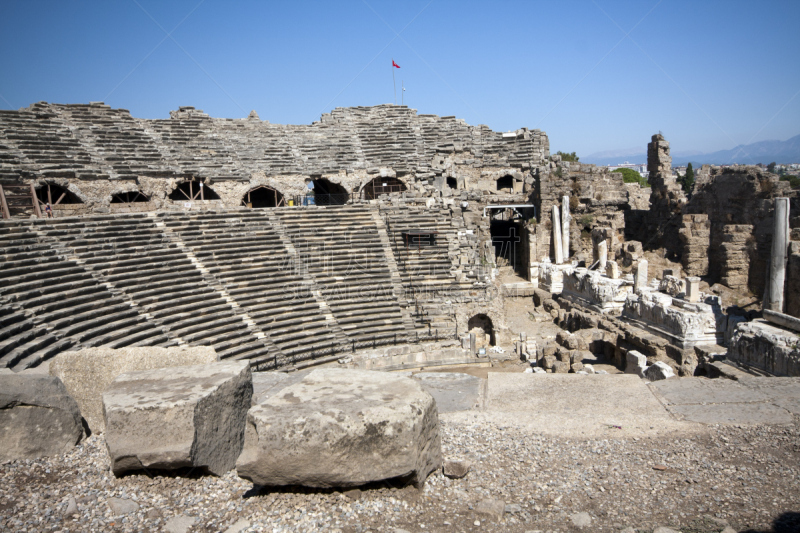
<point>777,266</point>
<point>557,236</point>
<point>565,223</point>
<point>693,289</point>
<point>612,270</point>
<point>602,254</point>
<point>640,275</point>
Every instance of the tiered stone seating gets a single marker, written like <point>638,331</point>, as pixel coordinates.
<point>245,253</point>
<point>162,282</point>
<point>340,247</point>
<point>96,142</point>
<point>62,304</point>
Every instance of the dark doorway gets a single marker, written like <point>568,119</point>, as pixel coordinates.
<point>508,246</point>
<point>484,323</point>
<point>129,197</point>
<point>379,186</point>
<point>192,190</point>
<point>56,195</point>
<point>505,184</point>
<point>329,193</point>
<point>262,197</point>
<point>452,183</point>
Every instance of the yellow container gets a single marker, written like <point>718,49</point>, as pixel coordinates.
<point>291,203</point>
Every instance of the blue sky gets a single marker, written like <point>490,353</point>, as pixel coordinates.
<point>594,74</point>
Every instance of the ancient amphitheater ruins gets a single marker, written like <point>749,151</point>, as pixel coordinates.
<point>374,239</point>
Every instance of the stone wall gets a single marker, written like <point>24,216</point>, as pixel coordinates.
<point>667,199</point>
<point>695,235</point>
<point>737,238</point>
<point>736,199</point>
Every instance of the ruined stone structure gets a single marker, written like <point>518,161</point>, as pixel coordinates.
<point>174,245</point>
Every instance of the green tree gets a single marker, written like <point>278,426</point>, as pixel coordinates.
<point>687,180</point>
<point>794,181</point>
<point>568,157</point>
<point>771,167</point>
<point>631,176</point>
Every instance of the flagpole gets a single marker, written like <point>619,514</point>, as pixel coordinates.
<point>394,83</point>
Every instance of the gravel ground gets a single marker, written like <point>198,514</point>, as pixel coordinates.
<point>745,477</point>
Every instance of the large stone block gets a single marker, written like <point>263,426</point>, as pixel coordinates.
<point>190,416</point>
<point>87,373</point>
<point>37,416</point>
<point>340,428</point>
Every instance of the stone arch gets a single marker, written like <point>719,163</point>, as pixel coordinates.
<point>50,193</point>
<point>129,197</point>
<point>328,193</point>
<point>505,184</point>
<point>484,323</point>
<point>192,190</point>
<point>380,186</point>
<point>263,197</point>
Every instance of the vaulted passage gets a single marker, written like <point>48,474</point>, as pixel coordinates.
<point>452,183</point>
<point>508,246</point>
<point>262,197</point>
<point>379,186</point>
<point>329,193</point>
<point>505,184</point>
<point>129,197</point>
<point>192,190</point>
<point>56,195</point>
<point>482,324</point>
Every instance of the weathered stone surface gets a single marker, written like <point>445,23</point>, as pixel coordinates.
<point>87,373</point>
<point>342,428</point>
<point>635,362</point>
<point>122,506</point>
<point>767,347</point>
<point>456,469</point>
<point>189,416</point>
<point>560,367</point>
<point>37,417</point>
<point>658,371</point>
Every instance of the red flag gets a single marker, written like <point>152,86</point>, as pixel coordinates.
<point>395,64</point>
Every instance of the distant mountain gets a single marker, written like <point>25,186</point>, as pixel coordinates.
<point>766,152</point>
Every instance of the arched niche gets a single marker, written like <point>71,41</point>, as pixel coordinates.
<point>53,194</point>
<point>129,197</point>
<point>326,192</point>
<point>482,323</point>
<point>262,197</point>
<point>379,186</point>
<point>452,182</point>
<point>505,184</point>
<point>192,190</point>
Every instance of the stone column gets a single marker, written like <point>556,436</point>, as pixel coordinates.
<point>565,223</point>
<point>693,289</point>
<point>602,254</point>
<point>640,276</point>
<point>473,345</point>
<point>557,236</point>
<point>773,300</point>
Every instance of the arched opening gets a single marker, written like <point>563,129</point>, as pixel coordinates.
<point>326,192</point>
<point>379,186</point>
<point>505,184</point>
<point>452,183</point>
<point>262,197</point>
<point>192,190</point>
<point>56,195</point>
<point>129,197</point>
<point>481,325</point>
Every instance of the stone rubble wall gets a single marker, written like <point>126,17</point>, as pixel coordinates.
<point>736,256</point>
<point>695,235</point>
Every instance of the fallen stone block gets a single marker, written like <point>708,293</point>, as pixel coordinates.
<point>190,416</point>
<point>560,367</point>
<point>37,417</point>
<point>658,371</point>
<point>492,508</point>
<point>636,362</point>
<point>342,428</point>
<point>87,373</point>
<point>456,469</point>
